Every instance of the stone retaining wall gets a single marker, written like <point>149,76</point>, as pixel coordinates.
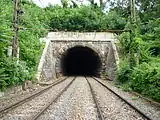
<point>46,68</point>
<point>57,43</point>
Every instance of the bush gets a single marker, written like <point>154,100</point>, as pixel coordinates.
<point>84,18</point>
<point>146,79</point>
<point>3,79</point>
<point>144,76</point>
<point>11,71</point>
<point>124,71</point>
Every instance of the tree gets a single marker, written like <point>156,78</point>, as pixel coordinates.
<point>148,9</point>
<point>102,4</point>
<point>64,3</point>
<point>91,1</point>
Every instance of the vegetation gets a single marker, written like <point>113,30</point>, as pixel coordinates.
<point>141,72</point>
<point>13,72</point>
<point>35,20</point>
<point>139,51</point>
<point>77,19</point>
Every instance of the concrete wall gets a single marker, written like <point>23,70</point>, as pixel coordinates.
<point>112,61</point>
<point>46,68</point>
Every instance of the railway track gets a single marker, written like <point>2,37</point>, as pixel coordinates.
<point>15,104</point>
<point>35,117</point>
<point>121,98</point>
<point>13,111</point>
<point>86,98</point>
<point>99,111</point>
<point>74,104</point>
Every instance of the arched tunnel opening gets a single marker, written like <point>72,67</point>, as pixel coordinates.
<point>80,61</point>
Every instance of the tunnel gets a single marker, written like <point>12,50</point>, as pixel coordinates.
<point>80,61</point>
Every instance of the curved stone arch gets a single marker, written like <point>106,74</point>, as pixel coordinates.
<point>88,45</point>
<point>64,49</point>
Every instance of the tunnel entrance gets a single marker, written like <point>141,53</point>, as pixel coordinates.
<point>80,61</point>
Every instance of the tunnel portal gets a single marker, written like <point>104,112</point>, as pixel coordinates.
<point>80,61</point>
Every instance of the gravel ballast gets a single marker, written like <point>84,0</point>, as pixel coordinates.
<point>150,109</point>
<point>75,104</point>
<point>30,108</point>
<point>22,94</point>
<point>112,107</point>
<point>5,101</point>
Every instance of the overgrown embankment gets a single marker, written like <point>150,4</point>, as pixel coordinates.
<point>141,72</point>
<point>11,71</point>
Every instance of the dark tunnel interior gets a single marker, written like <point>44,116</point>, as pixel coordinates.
<point>80,61</point>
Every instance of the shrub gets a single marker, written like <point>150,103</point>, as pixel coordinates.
<point>124,71</point>
<point>11,71</point>
<point>84,18</point>
<point>146,79</point>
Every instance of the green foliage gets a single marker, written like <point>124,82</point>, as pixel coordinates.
<point>123,74</point>
<point>5,17</point>
<point>148,9</point>
<point>144,75</point>
<point>124,40</point>
<point>146,79</point>
<point>3,78</point>
<point>13,72</point>
<point>85,18</point>
<point>113,21</point>
<point>141,49</point>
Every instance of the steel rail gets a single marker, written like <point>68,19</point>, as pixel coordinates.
<point>99,111</point>
<point>52,101</point>
<point>123,99</point>
<point>16,104</point>
<point>147,99</point>
<point>141,96</point>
